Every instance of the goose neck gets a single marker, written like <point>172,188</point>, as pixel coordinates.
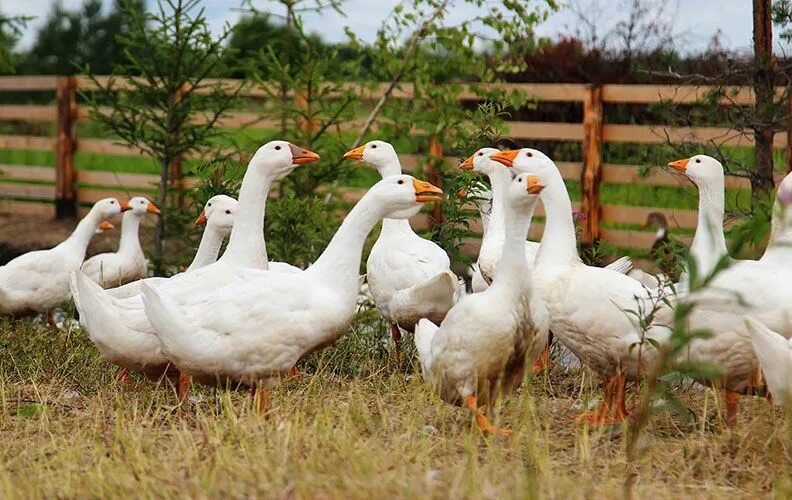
<point>339,264</point>
<point>709,243</point>
<point>81,236</point>
<point>389,168</point>
<point>513,272</point>
<point>559,243</point>
<point>130,241</point>
<point>208,248</point>
<point>246,246</point>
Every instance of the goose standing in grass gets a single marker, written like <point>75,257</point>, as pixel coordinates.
<point>585,304</point>
<point>128,264</point>
<point>137,349</point>
<point>246,248</point>
<point>252,333</point>
<point>39,281</point>
<point>409,277</point>
<point>482,346</point>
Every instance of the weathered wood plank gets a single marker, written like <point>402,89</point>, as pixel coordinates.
<point>28,173</point>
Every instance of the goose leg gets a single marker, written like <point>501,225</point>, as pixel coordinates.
<point>183,387</point>
<point>261,399</point>
<point>124,377</point>
<point>732,404</point>
<point>544,359</point>
<point>613,409</point>
<point>293,373</point>
<point>396,336</point>
<point>481,420</point>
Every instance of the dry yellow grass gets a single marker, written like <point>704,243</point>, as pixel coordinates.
<point>355,424</point>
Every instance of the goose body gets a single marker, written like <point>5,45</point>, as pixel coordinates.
<point>39,281</point>
<point>409,277</point>
<point>252,333</point>
<point>128,263</point>
<point>116,322</point>
<point>775,357</point>
<point>482,346</point>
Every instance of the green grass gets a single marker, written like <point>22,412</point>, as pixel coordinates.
<point>355,424</point>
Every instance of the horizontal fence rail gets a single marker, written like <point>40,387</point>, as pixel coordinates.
<point>65,190</point>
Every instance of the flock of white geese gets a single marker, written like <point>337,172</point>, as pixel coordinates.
<point>242,321</point>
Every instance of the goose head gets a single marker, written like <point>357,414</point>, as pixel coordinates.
<point>703,170</point>
<point>401,196</point>
<point>279,158</point>
<point>141,206</point>
<point>533,162</point>
<point>106,208</point>
<point>523,193</point>
<point>379,154</point>
<point>481,162</point>
<point>218,214</point>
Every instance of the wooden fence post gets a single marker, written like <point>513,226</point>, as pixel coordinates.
<point>436,154</point>
<point>65,194</point>
<point>591,177</point>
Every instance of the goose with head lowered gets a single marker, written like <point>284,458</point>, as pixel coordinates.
<point>128,264</point>
<point>409,277</point>
<point>39,281</point>
<point>252,333</point>
<point>482,346</point>
<point>585,304</point>
<point>246,248</point>
<point>137,349</point>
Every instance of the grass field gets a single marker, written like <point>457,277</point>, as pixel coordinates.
<point>355,424</point>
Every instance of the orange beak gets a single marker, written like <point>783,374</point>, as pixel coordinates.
<point>680,165</point>
<point>355,154</point>
<point>535,185</point>
<point>506,157</point>
<point>106,226</point>
<point>201,220</point>
<point>468,163</point>
<point>425,192</point>
<point>301,156</point>
<point>124,206</point>
<point>152,208</point>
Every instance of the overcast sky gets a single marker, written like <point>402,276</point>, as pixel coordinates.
<point>694,21</point>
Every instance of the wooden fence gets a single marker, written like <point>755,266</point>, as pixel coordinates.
<point>35,189</point>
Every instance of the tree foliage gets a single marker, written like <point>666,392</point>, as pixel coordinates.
<point>161,100</point>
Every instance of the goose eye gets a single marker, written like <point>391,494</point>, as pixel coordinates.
<point>481,154</point>
<point>208,204</point>
<point>277,148</point>
<point>529,154</point>
<point>373,146</point>
<point>698,160</point>
<point>400,181</point>
<point>228,212</point>
<point>112,202</point>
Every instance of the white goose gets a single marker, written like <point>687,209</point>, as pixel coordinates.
<point>482,346</point>
<point>779,248</point>
<point>409,277</point>
<point>128,264</point>
<point>252,333</point>
<point>136,349</point>
<point>39,281</point>
<point>124,317</point>
<point>585,303</point>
